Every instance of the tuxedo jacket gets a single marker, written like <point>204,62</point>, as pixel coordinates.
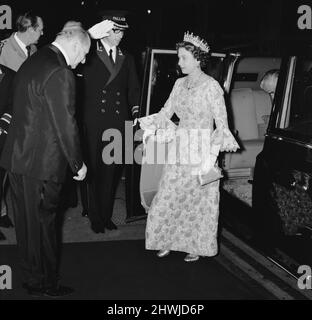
<point>43,135</point>
<point>11,54</point>
<point>109,91</point>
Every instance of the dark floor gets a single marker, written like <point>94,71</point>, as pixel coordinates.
<point>76,228</point>
<point>125,270</point>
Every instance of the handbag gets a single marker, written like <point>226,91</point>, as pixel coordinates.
<point>214,174</point>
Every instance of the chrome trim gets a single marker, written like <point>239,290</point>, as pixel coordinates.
<point>164,51</point>
<point>172,51</point>
<point>216,54</point>
<point>227,82</point>
<point>281,121</point>
<point>289,140</point>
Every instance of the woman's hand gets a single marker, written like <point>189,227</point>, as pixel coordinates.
<point>160,122</point>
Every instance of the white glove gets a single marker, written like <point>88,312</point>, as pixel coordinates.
<point>81,174</point>
<point>100,30</point>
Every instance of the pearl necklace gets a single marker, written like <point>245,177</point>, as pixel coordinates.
<point>192,84</point>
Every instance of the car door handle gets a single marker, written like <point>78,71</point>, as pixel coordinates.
<point>303,183</point>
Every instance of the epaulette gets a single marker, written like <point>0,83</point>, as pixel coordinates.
<point>99,46</point>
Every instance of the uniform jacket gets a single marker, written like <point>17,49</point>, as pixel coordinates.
<point>43,135</point>
<point>11,54</point>
<point>109,91</point>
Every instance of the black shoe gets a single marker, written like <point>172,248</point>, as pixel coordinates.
<point>59,291</point>
<point>97,229</point>
<point>5,222</point>
<point>84,213</point>
<point>33,291</point>
<point>111,225</point>
<point>2,236</point>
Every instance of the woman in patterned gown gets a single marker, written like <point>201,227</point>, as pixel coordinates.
<point>184,215</point>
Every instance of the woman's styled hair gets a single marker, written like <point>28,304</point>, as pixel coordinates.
<point>197,53</point>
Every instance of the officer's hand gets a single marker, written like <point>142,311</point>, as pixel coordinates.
<point>100,30</point>
<point>135,114</point>
<point>135,121</point>
<point>81,174</point>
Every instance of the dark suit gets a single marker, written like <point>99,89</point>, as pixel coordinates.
<point>6,101</point>
<point>42,141</point>
<point>110,91</point>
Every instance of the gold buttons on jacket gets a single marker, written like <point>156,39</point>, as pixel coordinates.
<point>102,110</point>
<point>118,93</point>
<point>103,101</point>
<point>118,102</point>
<point>117,111</point>
<point>104,91</point>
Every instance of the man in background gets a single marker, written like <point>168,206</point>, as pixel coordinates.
<point>13,52</point>
<point>21,44</point>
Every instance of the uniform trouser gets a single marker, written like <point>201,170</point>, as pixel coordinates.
<point>34,204</point>
<point>98,195</point>
<point>103,180</point>
<point>102,193</point>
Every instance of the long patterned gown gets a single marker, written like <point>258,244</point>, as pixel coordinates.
<point>183,215</point>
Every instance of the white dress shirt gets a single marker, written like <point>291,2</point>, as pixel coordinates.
<point>21,44</point>
<point>107,48</point>
<point>62,50</point>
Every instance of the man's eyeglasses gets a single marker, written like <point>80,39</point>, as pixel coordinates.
<point>117,31</point>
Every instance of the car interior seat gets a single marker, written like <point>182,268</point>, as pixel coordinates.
<point>250,112</point>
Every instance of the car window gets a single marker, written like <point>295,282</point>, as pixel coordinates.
<point>298,119</point>
<point>163,74</point>
<point>163,70</point>
<point>250,70</point>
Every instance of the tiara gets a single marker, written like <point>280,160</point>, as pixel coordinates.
<point>196,41</point>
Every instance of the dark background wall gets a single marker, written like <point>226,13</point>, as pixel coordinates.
<point>260,25</point>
